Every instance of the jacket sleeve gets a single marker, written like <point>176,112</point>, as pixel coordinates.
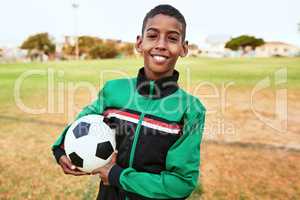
<point>96,107</point>
<point>182,168</point>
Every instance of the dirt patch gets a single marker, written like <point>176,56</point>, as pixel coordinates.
<point>231,172</point>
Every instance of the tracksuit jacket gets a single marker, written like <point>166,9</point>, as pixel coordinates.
<point>158,134</point>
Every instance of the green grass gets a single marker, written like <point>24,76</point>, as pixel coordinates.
<point>241,71</point>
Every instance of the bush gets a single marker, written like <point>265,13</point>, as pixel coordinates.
<point>103,51</point>
<point>127,49</point>
<point>86,43</point>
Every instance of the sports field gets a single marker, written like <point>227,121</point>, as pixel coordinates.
<point>251,146</point>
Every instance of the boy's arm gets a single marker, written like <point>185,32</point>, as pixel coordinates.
<point>96,107</point>
<point>182,168</point>
<point>57,147</point>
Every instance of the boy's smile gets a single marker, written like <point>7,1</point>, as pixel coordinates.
<point>161,44</point>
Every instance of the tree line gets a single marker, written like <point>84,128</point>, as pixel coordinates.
<point>89,47</point>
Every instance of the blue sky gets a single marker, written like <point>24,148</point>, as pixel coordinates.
<point>273,20</point>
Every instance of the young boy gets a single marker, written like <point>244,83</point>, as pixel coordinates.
<point>158,125</point>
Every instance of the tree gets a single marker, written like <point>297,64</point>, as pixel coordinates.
<point>94,48</point>
<point>244,41</point>
<point>86,43</point>
<point>38,45</point>
<point>127,49</point>
<point>103,51</point>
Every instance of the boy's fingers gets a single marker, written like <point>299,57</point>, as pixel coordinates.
<point>96,171</point>
<point>65,161</point>
<point>70,165</point>
<point>105,183</point>
<point>79,173</point>
<point>114,157</point>
<point>66,170</point>
<point>93,173</point>
<point>76,173</point>
<point>69,168</point>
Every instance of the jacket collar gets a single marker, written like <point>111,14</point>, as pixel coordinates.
<point>161,87</point>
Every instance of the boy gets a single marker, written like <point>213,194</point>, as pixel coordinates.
<point>158,125</point>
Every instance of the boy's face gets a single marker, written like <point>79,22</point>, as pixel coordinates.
<point>161,45</point>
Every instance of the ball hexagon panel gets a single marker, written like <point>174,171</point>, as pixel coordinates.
<point>76,160</point>
<point>81,129</point>
<point>104,150</point>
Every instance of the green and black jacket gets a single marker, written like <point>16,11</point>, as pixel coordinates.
<point>158,134</point>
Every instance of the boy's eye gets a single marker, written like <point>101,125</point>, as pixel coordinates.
<point>173,39</point>
<point>151,35</point>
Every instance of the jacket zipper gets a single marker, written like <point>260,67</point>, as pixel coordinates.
<point>137,130</point>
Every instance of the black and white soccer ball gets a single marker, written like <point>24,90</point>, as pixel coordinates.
<point>89,143</point>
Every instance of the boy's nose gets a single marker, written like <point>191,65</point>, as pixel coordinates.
<point>161,44</point>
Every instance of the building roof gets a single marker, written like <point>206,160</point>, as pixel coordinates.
<point>278,43</point>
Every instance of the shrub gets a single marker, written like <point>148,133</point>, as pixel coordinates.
<point>103,51</point>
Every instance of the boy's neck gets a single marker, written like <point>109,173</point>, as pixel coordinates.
<point>155,76</point>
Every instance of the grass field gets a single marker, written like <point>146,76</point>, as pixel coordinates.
<point>242,156</point>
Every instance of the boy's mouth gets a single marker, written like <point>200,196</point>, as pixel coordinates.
<point>159,58</point>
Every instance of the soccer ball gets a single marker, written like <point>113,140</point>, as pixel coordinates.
<point>89,143</point>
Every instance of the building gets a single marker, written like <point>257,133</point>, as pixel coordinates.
<point>270,49</point>
<point>214,46</point>
<point>13,54</point>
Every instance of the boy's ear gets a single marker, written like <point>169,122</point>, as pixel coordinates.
<point>138,44</point>
<point>185,49</point>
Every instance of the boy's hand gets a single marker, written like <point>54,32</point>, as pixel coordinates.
<point>104,171</point>
<point>69,168</point>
